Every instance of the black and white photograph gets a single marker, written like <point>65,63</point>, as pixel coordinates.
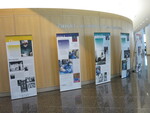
<point>101,78</point>
<point>26,68</point>
<point>16,66</point>
<point>26,48</point>
<point>101,59</point>
<point>107,37</point>
<point>105,76</point>
<point>12,76</point>
<point>124,65</point>
<point>126,53</point>
<point>105,50</point>
<point>26,84</point>
<point>30,82</point>
<point>23,85</point>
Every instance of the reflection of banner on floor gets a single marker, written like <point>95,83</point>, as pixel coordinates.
<point>102,57</point>
<point>125,58</point>
<point>21,66</point>
<point>69,61</point>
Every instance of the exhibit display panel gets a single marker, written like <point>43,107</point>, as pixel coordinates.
<point>21,66</point>
<point>125,55</point>
<point>44,23</point>
<point>139,50</point>
<point>102,57</point>
<point>69,61</point>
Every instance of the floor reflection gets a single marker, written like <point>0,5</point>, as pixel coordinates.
<point>71,101</point>
<point>27,105</point>
<point>128,95</point>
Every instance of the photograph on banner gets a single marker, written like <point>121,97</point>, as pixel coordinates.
<point>65,66</point>
<point>102,57</point>
<point>26,48</point>
<point>125,55</point>
<point>101,76</point>
<point>76,77</point>
<point>74,54</point>
<point>21,66</point>
<point>69,61</point>
<point>16,66</point>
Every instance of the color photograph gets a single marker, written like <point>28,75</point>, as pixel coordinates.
<point>65,66</point>
<point>76,77</point>
<point>74,54</point>
<point>74,39</point>
<point>26,48</point>
<point>98,70</point>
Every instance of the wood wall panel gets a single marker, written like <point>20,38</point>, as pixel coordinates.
<point>48,32</point>
<point>6,28</point>
<point>44,24</point>
<point>116,50</point>
<point>91,25</point>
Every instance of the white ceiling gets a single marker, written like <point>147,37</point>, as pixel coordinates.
<point>136,10</point>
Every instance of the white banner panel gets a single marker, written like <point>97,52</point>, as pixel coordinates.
<point>69,61</point>
<point>125,55</point>
<point>102,57</point>
<point>21,66</point>
<point>139,50</point>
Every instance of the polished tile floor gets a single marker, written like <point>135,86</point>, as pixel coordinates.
<point>129,95</point>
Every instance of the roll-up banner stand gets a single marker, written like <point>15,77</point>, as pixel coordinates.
<point>102,57</point>
<point>21,66</point>
<point>125,55</point>
<point>69,61</point>
<point>139,50</point>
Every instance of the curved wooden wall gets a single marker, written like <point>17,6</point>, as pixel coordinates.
<point>43,24</point>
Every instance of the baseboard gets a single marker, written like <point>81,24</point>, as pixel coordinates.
<point>6,94</point>
<point>40,90</point>
<point>115,76</point>
<point>87,82</point>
